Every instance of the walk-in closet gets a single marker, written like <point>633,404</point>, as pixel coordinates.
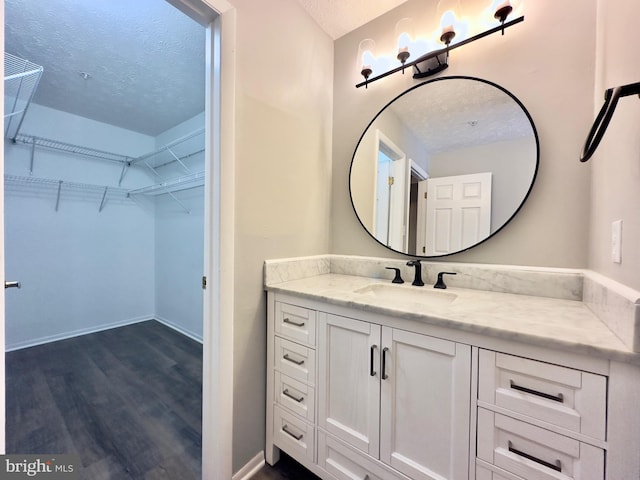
<point>104,231</point>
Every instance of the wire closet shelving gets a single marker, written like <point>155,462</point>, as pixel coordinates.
<point>21,81</point>
<point>21,78</point>
<point>176,151</point>
<point>98,193</point>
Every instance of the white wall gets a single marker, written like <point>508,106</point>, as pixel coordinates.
<point>284,83</point>
<point>615,181</point>
<point>548,63</point>
<point>179,240</point>
<point>80,269</point>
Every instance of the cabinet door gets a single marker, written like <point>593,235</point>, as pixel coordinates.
<point>349,381</point>
<point>425,402</point>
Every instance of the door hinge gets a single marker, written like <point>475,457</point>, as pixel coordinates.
<point>425,195</point>
<point>204,283</point>
<point>424,249</point>
<point>391,180</point>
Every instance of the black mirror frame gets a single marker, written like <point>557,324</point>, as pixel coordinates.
<point>533,179</point>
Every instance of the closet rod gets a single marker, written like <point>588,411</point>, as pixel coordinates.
<point>71,148</point>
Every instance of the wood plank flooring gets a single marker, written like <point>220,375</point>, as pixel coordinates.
<point>285,469</point>
<point>127,401</point>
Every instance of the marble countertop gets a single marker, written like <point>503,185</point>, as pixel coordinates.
<point>548,322</point>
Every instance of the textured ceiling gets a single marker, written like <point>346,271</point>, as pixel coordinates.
<point>144,57</point>
<point>338,17</point>
<point>456,113</point>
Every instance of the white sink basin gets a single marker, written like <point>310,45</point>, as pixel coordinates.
<point>425,295</point>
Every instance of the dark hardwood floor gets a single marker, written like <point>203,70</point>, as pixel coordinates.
<point>127,401</point>
<point>285,469</point>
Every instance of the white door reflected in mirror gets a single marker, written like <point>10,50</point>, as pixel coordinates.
<point>458,212</point>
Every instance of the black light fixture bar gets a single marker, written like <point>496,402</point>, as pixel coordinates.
<point>437,53</point>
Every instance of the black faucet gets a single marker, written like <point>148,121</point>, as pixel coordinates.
<point>440,281</point>
<point>417,281</point>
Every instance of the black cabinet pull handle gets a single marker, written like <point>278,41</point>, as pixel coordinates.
<point>557,465</point>
<point>286,430</point>
<point>556,398</point>
<point>372,350</point>
<point>291,322</point>
<point>286,393</point>
<point>384,362</point>
<point>292,360</point>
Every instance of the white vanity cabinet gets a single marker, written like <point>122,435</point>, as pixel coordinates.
<point>353,393</point>
<point>390,403</point>
<point>398,396</point>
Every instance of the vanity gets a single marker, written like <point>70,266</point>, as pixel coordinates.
<point>508,374</point>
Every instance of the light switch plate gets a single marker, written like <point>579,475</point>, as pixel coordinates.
<point>616,241</point>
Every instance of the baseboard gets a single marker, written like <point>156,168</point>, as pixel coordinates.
<point>75,333</point>
<point>250,469</point>
<point>179,329</point>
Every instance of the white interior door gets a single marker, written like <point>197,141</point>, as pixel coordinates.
<point>458,212</point>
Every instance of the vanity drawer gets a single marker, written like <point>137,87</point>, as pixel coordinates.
<point>295,360</point>
<point>295,396</point>
<point>296,323</point>
<point>346,463</point>
<point>564,397</point>
<point>293,435</point>
<point>485,473</point>
<point>535,453</point>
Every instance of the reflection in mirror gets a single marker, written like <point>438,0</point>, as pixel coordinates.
<point>444,166</point>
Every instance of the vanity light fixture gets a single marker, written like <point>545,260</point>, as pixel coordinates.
<point>436,60</point>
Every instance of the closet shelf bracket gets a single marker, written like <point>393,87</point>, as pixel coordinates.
<point>125,169</point>
<point>185,182</point>
<point>192,148</point>
<point>178,160</point>
<point>58,195</point>
<point>104,197</point>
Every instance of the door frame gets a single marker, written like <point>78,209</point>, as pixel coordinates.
<point>217,391</point>
<point>219,255</point>
<point>397,226</point>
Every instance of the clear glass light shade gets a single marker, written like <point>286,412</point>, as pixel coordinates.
<point>366,55</point>
<point>448,13</point>
<point>404,34</point>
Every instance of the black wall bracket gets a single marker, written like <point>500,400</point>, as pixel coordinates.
<point>611,97</point>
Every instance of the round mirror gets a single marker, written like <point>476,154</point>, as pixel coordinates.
<point>444,166</point>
